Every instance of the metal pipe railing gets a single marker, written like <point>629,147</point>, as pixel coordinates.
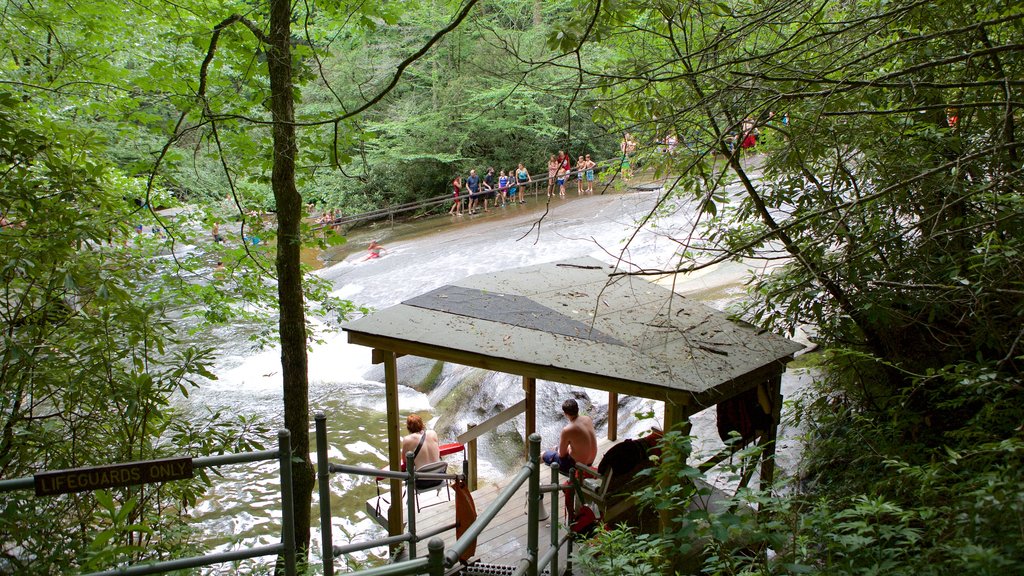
<point>323,476</point>
<point>554,545</point>
<point>534,500</point>
<point>531,468</point>
<point>529,474</point>
<point>285,549</point>
<point>535,184</point>
<point>410,476</point>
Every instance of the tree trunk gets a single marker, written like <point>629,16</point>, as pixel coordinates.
<point>289,276</point>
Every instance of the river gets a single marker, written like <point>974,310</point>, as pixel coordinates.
<point>243,507</point>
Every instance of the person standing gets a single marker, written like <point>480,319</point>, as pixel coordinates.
<point>590,173</point>
<point>456,200</point>
<point>503,188</point>
<point>473,184</point>
<point>488,191</point>
<point>552,171</point>
<point>563,161</point>
<point>627,147</point>
<point>580,167</point>
<point>748,133</point>
<point>216,233</point>
<point>523,178</point>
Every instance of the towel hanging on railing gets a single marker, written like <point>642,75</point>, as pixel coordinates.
<point>465,515</point>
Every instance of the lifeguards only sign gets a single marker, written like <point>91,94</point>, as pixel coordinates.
<point>115,475</point>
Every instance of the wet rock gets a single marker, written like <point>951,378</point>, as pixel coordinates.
<point>417,373</point>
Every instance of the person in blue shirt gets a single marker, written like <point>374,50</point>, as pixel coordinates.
<point>473,184</point>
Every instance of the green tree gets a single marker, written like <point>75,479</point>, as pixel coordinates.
<point>87,365</point>
<point>882,194</point>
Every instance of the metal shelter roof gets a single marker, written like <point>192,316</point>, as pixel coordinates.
<point>572,322</point>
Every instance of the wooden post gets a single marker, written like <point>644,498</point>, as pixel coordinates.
<point>471,457</point>
<point>613,416</point>
<point>675,414</point>
<point>530,386</point>
<point>773,389</point>
<point>395,523</point>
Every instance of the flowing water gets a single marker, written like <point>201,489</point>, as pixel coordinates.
<point>243,507</point>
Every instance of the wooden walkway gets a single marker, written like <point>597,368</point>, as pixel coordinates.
<point>503,542</point>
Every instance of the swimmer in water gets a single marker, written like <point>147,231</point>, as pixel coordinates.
<point>374,251</point>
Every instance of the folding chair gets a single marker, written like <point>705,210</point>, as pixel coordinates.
<point>439,467</point>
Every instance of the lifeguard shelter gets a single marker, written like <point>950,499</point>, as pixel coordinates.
<point>579,322</point>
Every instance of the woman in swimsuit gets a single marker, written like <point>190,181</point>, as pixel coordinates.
<point>523,177</point>
<point>456,201</point>
<point>374,251</point>
<point>503,188</point>
<point>552,171</point>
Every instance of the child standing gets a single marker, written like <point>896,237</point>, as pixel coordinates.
<point>503,188</point>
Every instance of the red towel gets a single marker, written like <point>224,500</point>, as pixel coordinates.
<point>465,515</point>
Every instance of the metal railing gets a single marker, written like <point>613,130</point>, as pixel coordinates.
<point>438,559</point>
<point>410,536</point>
<point>285,548</point>
<point>529,473</point>
<point>534,186</point>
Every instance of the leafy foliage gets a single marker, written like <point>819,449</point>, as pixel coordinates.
<point>883,198</point>
<point>88,363</point>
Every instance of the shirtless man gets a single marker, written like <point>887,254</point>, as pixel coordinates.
<point>577,443</point>
<point>430,451</point>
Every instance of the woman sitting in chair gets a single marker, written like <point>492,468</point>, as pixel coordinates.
<point>424,445</point>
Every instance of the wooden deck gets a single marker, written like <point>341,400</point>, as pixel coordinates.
<point>502,542</point>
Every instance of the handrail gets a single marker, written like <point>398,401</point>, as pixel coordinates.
<point>285,548</point>
<point>529,472</point>
<point>535,182</point>
<point>477,527</point>
<point>325,468</point>
<point>439,558</point>
<point>492,422</point>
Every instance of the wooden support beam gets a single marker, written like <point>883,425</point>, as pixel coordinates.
<point>613,416</point>
<point>378,356</point>
<point>773,389</point>
<point>390,360</point>
<point>471,459</point>
<point>676,416</point>
<point>530,387</point>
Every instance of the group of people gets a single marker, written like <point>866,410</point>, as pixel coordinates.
<point>474,193</point>
<point>561,171</point>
